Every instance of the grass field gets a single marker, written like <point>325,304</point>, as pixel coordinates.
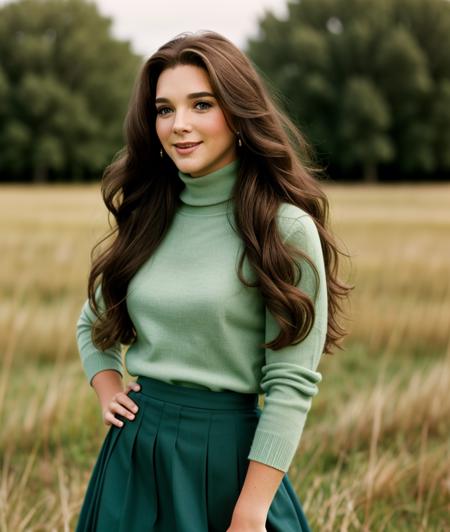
<point>375,452</point>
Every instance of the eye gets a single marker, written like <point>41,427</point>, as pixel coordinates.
<point>160,110</point>
<point>208,105</point>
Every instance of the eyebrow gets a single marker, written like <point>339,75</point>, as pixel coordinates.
<point>191,96</point>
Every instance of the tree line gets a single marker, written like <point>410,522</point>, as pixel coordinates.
<point>64,89</point>
<point>366,81</point>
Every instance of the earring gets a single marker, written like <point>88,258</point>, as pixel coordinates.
<point>239,139</point>
<point>161,153</point>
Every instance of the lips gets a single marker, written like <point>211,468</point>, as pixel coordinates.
<point>186,148</point>
<point>186,144</point>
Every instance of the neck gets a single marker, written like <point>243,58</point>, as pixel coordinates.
<point>209,193</point>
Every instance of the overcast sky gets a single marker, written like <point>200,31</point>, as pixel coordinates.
<point>148,23</point>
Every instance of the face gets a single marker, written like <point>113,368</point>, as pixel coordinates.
<point>186,116</point>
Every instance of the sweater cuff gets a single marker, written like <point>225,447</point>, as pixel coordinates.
<point>96,362</point>
<point>272,450</point>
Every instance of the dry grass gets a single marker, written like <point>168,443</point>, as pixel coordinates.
<point>375,451</point>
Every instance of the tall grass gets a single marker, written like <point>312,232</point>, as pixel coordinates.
<point>375,451</point>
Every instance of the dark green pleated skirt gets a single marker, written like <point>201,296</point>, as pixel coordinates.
<point>179,466</point>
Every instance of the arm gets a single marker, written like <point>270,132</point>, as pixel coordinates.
<point>259,488</point>
<point>94,360</point>
<point>104,369</point>
<point>106,384</point>
<point>289,381</point>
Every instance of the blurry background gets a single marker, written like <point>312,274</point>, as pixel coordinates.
<point>368,83</point>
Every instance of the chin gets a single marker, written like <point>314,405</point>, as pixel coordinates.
<point>188,167</point>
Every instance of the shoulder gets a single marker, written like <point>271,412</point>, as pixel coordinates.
<point>298,229</point>
<point>297,226</point>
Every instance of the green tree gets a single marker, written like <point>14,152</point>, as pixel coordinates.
<point>65,83</point>
<point>363,125</point>
<point>366,80</point>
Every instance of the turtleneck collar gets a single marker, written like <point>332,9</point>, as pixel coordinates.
<point>208,190</point>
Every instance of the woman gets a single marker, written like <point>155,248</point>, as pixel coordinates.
<point>222,280</point>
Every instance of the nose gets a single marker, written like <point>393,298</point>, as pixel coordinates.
<point>181,123</point>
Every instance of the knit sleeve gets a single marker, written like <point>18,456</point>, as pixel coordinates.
<point>289,375</point>
<point>93,360</point>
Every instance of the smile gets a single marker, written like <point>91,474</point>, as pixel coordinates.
<point>185,149</point>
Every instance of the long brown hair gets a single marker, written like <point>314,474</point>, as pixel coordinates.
<point>140,189</point>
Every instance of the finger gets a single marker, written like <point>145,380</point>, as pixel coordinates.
<point>127,402</point>
<point>133,386</point>
<point>112,420</point>
<point>119,409</point>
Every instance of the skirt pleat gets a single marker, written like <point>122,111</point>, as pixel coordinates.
<point>179,466</point>
<point>189,484</point>
<point>136,500</point>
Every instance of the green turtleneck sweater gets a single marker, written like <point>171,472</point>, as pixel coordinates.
<point>197,325</point>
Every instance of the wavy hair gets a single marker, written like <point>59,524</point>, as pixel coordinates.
<point>141,191</point>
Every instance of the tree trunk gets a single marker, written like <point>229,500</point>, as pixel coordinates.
<point>40,174</point>
<point>370,173</point>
